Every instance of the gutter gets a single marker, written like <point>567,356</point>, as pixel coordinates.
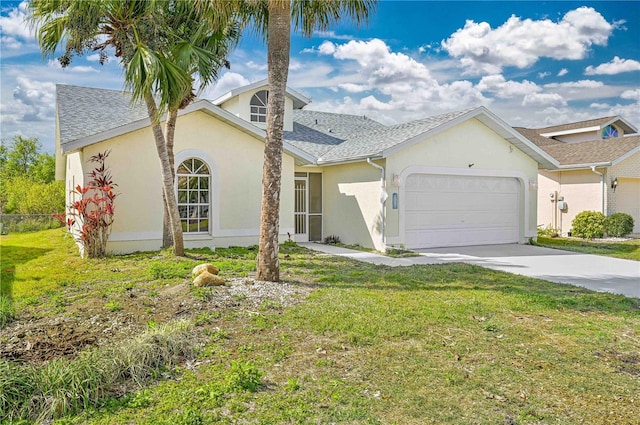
<point>383,199</point>
<point>602,189</point>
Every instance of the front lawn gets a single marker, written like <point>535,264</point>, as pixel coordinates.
<point>629,250</point>
<point>355,344</point>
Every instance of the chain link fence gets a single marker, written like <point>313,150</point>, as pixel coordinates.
<point>18,223</point>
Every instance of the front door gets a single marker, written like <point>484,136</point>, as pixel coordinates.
<point>301,210</point>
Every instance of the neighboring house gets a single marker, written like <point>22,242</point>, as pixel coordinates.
<point>599,170</point>
<point>461,178</point>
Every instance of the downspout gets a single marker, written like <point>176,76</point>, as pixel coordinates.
<point>602,189</point>
<point>383,199</point>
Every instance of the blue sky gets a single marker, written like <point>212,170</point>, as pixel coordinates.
<point>531,63</point>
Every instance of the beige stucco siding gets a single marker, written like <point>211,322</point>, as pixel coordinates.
<point>581,190</point>
<point>626,197</point>
<point>351,204</point>
<point>235,161</point>
<point>240,107</point>
<point>451,152</point>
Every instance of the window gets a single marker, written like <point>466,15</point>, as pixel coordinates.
<point>259,106</point>
<point>609,132</point>
<point>193,181</point>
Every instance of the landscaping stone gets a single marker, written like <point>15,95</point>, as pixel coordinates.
<point>197,270</point>
<point>208,279</point>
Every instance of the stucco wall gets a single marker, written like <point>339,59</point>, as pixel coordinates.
<point>351,200</point>
<point>240,106</point>
<point>74,174</point>
<point>625,198</point>
<point>470,142</point>
<point>581,190</point>
<point>235,160</point>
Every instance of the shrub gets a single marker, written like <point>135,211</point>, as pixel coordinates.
<point>619,224</point>
<point>588,225</point>
<point>549,232</point>
<point>332,240</point>
<point>91,216</point>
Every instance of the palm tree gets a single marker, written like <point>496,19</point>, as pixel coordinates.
<point>272,19</point>
<point>160,44</point>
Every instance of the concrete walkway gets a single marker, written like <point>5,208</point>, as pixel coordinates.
<point>598,273</point>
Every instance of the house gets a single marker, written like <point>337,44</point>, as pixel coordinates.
<point>599,170</point>
<point>460,178</point>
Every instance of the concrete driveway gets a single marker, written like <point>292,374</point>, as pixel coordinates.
<point>598,273</point>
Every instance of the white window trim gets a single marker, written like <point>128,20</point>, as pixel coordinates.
<point>258,114</point>
<point>214,191</point>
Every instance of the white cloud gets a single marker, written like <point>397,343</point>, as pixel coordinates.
<point>94,58</point>
<point>395,82</point>
<point>257,66</point>
<point>616,66</point>
<point>226,83</point>
<point>631,94</point>
<point>589,84</point>
<point>353,88</point>
<point>327,48</point>
<point>32,101</point>
<point>504,89</point>
<point>563,72</point>
<point>14,23</point>
<point>520,43</point>
<point>332,35</point>
<point>544,99</point>
<point>543,75</point>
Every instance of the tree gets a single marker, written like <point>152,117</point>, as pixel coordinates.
<point>272,19</point>
<point>160,44</point>
<point>27,177</point>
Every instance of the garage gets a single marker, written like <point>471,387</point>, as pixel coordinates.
<point>460,210</point>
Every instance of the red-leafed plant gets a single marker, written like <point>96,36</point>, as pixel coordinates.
<point>90,217</point>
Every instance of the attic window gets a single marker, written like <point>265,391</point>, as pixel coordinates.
<point>609,132</point>
<point>259,106</point>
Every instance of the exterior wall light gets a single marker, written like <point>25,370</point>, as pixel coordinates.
<point>614,184</point>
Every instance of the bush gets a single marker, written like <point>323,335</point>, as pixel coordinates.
<point>619,224</point>
<point>588,225</point>
<point>549,232</point>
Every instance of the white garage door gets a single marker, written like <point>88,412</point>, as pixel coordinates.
<point>443,210</point>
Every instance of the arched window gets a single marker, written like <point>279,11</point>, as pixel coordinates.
<point>609,132</point>
<point>193,182</point>
<point>259,106</point>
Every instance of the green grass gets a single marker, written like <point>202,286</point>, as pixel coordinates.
<point>445,344</point>
<point>629,250</point>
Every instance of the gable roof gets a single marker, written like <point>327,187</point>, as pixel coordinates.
<point>593,152</point>
<point>586,153</point>
<point>364,138</point>
<point>588,125</point>
<point>89,115</point>
<point>299,100</point>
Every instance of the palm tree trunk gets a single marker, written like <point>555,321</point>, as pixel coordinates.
<point>169,133</point>
<point>278,44</point>
<point>167,178</point>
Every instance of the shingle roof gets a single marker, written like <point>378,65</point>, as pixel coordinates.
<point>88,115</point>
<point>85,111</point>
<point>592,152</point>
<point>597,122</point>
<point>374,142</point>
<point>581,153</point>
<point>319,132</point>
